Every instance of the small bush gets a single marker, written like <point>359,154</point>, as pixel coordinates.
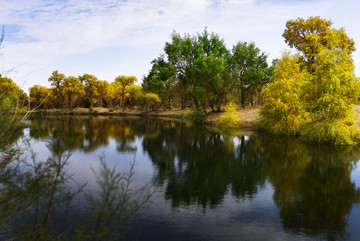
<point>184,115</point>
<point>114,108</point>
<point>197,117</point>
<point>229,119</point>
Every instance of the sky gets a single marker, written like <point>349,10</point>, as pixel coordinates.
<point>108,38</point>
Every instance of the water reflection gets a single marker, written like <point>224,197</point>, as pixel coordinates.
<point>198,167</point>
<point>311,184</point>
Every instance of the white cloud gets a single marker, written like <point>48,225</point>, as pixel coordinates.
<point>53,32</point>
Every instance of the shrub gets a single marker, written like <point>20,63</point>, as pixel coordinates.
<point>337,133</point>
<point>197,117</point>
<point>230,118</point>
<point>114,108</point>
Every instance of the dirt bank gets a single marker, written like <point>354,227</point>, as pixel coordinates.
<point>248,116</point>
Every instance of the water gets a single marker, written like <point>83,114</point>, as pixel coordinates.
<point>213,186</point>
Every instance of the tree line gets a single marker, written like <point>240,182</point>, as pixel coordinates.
<point>196,71</point>
<point>309,93</point>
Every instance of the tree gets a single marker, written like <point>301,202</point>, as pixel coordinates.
<point>72,89</point>
<point>152,100</point>
<point>101,87</point>
<point>201,64</point>
<point>210,71</point>
<point>284,111</point>
<point>181,53</point>
<point>310,36</point>
<point>250,69</point>
<point>57,82</point>
<point>10,94</point>
<point>123,86</point>
<point>330,88</point>
<point>109,94</point>
<point>161,80</point>
<point>91,91</point>
<point>38,96</point>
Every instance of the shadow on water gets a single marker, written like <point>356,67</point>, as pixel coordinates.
<point>312,185</point>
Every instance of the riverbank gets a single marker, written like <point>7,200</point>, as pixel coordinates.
<point>248,116</point>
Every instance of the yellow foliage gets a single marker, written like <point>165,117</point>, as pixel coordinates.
<point>335,132</point>
<point>229,119</point>
<point>312,95</point>
<point>152,98</point>
<point>10,94</point>
<point>283,111</point>
<point>38,95</point>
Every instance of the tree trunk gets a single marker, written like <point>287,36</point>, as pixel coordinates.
<point>242,92</point>
<point>169,102</point>
<point>196,102</point>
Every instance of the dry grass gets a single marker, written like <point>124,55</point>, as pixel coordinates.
<point>248,116</point>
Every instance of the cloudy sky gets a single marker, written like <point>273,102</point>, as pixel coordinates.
<point>108,38</point>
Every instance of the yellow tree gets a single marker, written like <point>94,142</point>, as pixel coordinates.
<point>10,94</point>
<point>109,94</point>
<point>57,82</point>
<point>135,89</point>
<point>152,101</point>
<point>330,87</point>
<point>72,89</point>
<point>38,95</point>
<point>102,89</point>
<point>284,111</point>
<point>91,91</point>
<point>123,85</point>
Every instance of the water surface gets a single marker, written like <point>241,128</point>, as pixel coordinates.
<point>214,186</point>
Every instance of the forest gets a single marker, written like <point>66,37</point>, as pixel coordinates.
<point>308,92</point>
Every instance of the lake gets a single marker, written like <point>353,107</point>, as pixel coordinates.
<point>213,186</point>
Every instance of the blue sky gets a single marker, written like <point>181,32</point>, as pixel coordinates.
<point>108,38</point>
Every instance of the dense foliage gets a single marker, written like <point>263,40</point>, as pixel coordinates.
<point>199,71</point>
<point>313,92</point>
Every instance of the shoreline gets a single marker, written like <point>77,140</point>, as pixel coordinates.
<point>248,116</point>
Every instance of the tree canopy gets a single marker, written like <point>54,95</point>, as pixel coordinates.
<point>320,80</point>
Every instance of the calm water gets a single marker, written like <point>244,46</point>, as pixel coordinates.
<point>213,186</point>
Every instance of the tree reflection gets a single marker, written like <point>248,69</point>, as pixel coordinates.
<point>86,134</point>
<point>312,185</point>
<point>37,197</point>
<point>198,167</point>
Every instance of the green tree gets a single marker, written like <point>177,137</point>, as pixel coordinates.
<point>201,63</point>
<point>249,69</point>
<point>161,80</point>
<point>182,53</point>
<point>210,82</point>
